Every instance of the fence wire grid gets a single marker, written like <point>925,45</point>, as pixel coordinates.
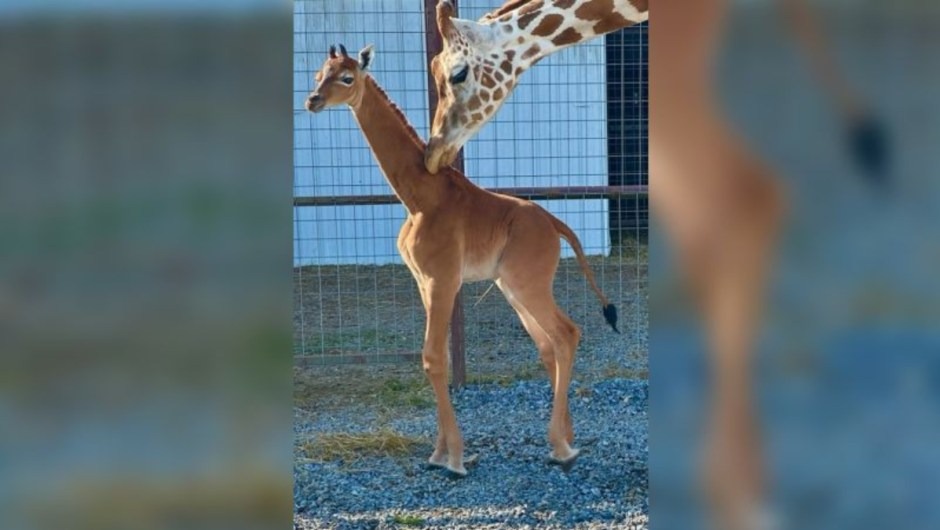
<point>579,118</point>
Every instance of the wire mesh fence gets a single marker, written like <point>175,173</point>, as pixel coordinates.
<point>576,123</point>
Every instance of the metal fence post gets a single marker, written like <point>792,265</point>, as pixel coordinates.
<point>433,46</point>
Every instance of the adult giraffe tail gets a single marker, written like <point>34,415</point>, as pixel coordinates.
<point>610,311</point>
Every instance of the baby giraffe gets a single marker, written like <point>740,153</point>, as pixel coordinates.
<point>457,232</point>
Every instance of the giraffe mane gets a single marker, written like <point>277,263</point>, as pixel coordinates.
<point>398,112</point>
<point>509,5</point>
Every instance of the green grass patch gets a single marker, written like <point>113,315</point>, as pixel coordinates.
<point>408,520</point>
<point>354,341</point>
<point>316,391</point>
<point>408,392</point>
<point>505,380</point>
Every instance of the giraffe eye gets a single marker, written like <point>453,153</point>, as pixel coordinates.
<point>347,80</point>
<point>460,76</point>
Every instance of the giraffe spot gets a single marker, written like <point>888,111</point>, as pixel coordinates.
<point>510,54</point>
<point>464,119</point>
<point>548,25</point>
<point>474,102</point>
<point>476,116</point>
<point>641,5</point>
<point>564,4</point>
<point>526,19</point>
<point>614,21</point>
<point>595,10</point>
<point>485,96</point>
<point>506,66</point>
<point>498,76</point>
<point>507,28</point>
<point>498,94</point>
<point>487,80</point>
<point>489,109</point>
<point>519,71</point>
<point>505,18</point>
<point>569,36</point>
<point>532,51</point>
<point>520,39</point>
<point>531,6</point>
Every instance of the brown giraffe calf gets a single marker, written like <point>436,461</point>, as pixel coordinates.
<point>457,232</point>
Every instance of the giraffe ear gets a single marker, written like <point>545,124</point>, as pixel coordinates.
<point>476,33</point>
<point>365,57</point>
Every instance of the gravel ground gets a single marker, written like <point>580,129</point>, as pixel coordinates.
<point>511,486</point>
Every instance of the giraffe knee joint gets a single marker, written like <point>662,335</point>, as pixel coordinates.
<point>432,368</point>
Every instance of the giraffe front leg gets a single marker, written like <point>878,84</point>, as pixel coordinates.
<point>448,450</point>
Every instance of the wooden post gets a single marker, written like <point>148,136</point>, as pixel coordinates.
<point>433,45</point>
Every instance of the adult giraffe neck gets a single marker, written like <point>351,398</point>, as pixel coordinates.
<point>540,28</point>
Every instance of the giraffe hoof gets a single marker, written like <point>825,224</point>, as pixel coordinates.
<point>437,462</point>
<point>567,463</point>
<point>455,472</point>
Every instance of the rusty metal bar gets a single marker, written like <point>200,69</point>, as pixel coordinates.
<point>533,194</point>
<point>433,46</point>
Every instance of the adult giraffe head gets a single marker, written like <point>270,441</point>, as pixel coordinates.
<point>481,62</point>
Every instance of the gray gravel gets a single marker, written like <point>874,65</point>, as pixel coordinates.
<point>511,487</point>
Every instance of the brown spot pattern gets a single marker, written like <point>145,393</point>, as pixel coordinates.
<point>640,5</point>
<point>498,94</point>
<point>531,51</point>
<point>485,96</point>
<point>564,4</point>
<point>506,66</point>
<point>487,81</point>
<point>569,36</point>
<point>613,22</point>
<point>474,102</point>
<point>595,10</point>
<point>548,25</point>
<point>531,6</point>
<point>510,54</point>
<point>526,19</point>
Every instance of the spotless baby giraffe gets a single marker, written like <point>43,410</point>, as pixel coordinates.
<point>457,232</point>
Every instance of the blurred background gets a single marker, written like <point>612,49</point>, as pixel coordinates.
<point>145,264</point>
<point>848,371</point>
<point>145,271</point>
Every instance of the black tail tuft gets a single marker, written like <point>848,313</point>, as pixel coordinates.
<point>610,315</point>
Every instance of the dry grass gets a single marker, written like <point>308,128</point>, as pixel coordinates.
<point>348,447</point>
